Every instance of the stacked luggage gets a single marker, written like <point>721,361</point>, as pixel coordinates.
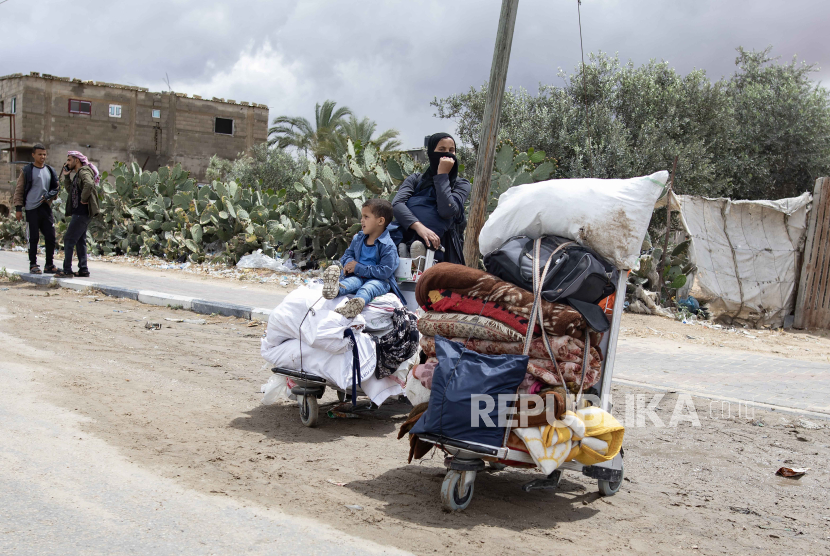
<point>539,329</point>
<point>312,347</point>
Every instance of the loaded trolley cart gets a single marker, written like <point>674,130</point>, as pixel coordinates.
<point>309,388</point>
<point>464,459</point>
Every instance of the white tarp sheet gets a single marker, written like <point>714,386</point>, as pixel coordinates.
<point>748,255</point>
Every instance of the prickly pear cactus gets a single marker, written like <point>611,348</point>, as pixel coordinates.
<point>166,214</point>
<point>513,168</point>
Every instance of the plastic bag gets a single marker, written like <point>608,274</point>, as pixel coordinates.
<point>260,260</point>
<point>609,216</point>
<point>276,389</point>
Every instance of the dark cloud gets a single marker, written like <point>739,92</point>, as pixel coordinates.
<point>384,59</point>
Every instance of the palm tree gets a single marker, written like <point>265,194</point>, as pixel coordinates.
<point>361,131</point>
<point>319,140</point>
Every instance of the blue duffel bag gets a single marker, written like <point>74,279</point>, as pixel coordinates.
<point>460,375</point>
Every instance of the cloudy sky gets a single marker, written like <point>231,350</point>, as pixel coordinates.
<point>384,59</point>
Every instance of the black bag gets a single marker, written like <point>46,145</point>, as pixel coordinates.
<point>577,276</point>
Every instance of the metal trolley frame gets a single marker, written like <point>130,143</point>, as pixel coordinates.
<point>309,389</point>
<point>464,459</point>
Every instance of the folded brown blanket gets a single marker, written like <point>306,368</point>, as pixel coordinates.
<point>559,319</point>
<point>549,397</point>
<point>564,348</point>
<point>544,370</point>
<point>417,447</point>
<point>457,325</point>
<point>446,301</point>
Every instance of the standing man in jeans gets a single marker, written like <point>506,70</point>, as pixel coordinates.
<point>37,185</point>
<point>81,205</point>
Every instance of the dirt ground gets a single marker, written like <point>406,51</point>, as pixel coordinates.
<point>183,402</point>
<point>807,345</point>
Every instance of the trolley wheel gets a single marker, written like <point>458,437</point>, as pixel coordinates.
<point>455,495</point>
<point>609,488</point>
<point>309,411</point>
<point>497,466</point>
<point>343,396</point>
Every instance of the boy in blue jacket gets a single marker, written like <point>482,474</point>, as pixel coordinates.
<point>369,264</point>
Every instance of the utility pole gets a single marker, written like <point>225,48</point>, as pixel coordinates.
<point>489,131</point>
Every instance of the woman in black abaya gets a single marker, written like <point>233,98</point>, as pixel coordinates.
<point>429,207</point>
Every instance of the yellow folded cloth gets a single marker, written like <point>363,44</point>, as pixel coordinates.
<point>590,436</point>
<point>602,426</point>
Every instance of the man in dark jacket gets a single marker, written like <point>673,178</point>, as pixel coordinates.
<point>37,185</point>
<point>82,206</point>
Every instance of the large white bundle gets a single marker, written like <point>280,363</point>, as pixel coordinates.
<point>609,216</point>
<point>321,328</point>
<point>378,313</point>
<point>335,367</point>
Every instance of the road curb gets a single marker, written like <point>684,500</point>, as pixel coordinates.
<point>115,291</point>
<point>149,297</point>
<point>162,299</point>
<point>260,314</point>
<point>75,284</point>
<point>219,308</point>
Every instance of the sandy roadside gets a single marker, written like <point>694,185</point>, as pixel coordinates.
<point>182,402</point>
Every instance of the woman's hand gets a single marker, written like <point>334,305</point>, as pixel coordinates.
<point>445,165</point>
<point>430,238</point>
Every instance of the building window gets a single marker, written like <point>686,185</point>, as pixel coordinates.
<point>115,110</point>
<point>2,106</point>
<point>80,107</point>
<point>223,126</point>
<point>14,105</point>
<point>156,113</point>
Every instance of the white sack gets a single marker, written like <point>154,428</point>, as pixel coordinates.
<point>747,254</point>
<point>609,216</point>
<point>334,367</point>
<point>322,328</point>
<point>378,313</point>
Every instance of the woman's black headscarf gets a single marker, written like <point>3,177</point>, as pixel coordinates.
<point>435,159</point>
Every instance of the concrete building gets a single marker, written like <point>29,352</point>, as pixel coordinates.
<point>122,123</point>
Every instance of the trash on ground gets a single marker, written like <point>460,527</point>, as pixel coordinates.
<point>194,321</point>
<point>335,483</point>
<point>152,325</point>
<point>261,260</point>
<point>805,424</point>
<point>173,320</point>
<point>792,472</point>
<point>341,415</point>
<point>354,507</point>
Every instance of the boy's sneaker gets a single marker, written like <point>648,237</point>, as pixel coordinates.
<point>331,281</point>
<point>82,273</point>
<point>351,308</point>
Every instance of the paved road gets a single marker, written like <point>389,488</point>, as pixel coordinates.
<point>718,372</point>
<point>726,373</point>
<point>169,281</point>
<point>63,491</point>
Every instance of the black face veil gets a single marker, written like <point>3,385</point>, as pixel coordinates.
<point>435,158</point>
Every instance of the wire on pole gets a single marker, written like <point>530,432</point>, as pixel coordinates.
<point>585,91</point>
